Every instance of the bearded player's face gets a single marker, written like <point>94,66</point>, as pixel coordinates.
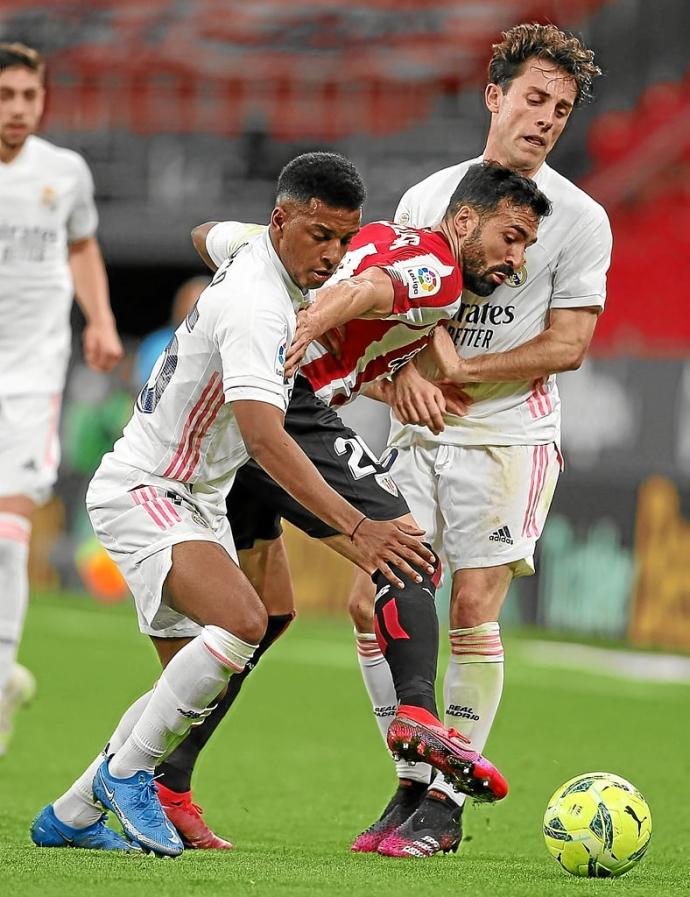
<point>496,247</point>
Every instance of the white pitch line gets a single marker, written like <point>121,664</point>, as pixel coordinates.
<point>669,668</point>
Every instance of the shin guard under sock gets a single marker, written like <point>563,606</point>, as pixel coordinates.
<point>406,628</point>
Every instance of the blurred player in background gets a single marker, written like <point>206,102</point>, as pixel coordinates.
<point>157,503</point>
<point>154,343</point>
<point>399,283</point>
<point>48,252</point>
<point>482,487</point>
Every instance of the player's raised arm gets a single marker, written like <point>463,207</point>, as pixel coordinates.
<point>216,241</point>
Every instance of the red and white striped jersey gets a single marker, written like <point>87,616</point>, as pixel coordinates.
<point>427,285</point>
<point>230,347</point>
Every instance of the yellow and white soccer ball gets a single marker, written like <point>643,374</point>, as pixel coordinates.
<point>597,825</point>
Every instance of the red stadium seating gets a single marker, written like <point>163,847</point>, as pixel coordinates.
<point>324,71</point>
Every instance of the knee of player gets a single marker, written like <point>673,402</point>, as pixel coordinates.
<point>256,624</point>
<point>250,624</point>
<point>469,607</point>
<point>360,606</point>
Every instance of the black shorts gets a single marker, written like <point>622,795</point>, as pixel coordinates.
<point>256,503</point>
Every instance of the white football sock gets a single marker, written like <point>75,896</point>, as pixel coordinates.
<point>77,806</point>
<point>472,688</point>
<point>15,532</point>
<point>379,684</point>
<point>188,685</point>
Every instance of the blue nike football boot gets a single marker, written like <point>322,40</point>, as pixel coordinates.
<point>49,831</point>
<point>135,803</point>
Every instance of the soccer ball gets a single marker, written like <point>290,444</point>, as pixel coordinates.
<point>597,825</point>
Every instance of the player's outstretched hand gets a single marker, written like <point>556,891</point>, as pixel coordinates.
<point>384,542</point>
<point>415,400</point>
<point>102,346</point>
<point>305,332</point>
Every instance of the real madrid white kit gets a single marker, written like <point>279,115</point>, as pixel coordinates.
<point>483,486</point>
<point>46,202</point>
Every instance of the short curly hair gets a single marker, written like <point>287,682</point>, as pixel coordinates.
<point>329,177</point>
<point>13,55</point>
<point>522,42</point>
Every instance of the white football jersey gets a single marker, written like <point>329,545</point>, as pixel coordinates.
<point>565,268</point>
<point>231,347</point>
<point>46,201</point>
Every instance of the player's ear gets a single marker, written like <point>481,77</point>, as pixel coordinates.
<point>278,218</point>
<point>465,220</point>
<point>492,97</point>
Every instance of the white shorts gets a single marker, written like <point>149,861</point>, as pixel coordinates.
<point>29,445</point>
<point>138,528</point>
<point>481,506</point>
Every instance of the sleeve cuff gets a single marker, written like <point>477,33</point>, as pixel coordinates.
<point>255,394</point>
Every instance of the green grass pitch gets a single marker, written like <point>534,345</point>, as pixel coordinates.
<point>297,770</point>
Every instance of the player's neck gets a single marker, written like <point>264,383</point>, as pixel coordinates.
<point>446,230</point>
<point>9,153</point>
<point>493,151</point>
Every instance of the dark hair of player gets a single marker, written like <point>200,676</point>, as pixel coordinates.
<point>487,184</point>
<point>523,42</point>
<point>13,55</point>
<point>329,177</point>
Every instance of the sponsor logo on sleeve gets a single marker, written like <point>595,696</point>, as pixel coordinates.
<point>422,281</point>
<point>280,358</point>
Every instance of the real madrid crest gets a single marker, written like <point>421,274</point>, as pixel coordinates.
<point>49,198</point>
<point>517,278</point>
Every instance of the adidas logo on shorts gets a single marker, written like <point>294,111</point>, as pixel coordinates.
<point>502,535</point>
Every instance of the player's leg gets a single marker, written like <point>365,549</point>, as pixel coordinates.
<point>413,470</point>
<point>16,683</point>
<point>495,501</point>
<point>472,690</point>
<point>77,809</point>
<point>257,536</point>
<point>206,586</point>
<point>29,455</point>
<point>181,573</point>
<point>266,567</point>
<point>76,818</point>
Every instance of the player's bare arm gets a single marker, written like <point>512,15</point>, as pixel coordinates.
<point>561,347</point>
<point>378,543</point>
<point>199,235</point>
<point>102,346</point>
<point>367,295</point>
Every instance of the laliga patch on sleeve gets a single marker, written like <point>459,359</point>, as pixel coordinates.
<point>280,358</point>
<point>422,280</point>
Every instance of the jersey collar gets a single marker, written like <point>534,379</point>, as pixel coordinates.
<point>298,297</point>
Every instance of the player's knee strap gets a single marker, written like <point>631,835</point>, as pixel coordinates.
<point>477,644</point>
